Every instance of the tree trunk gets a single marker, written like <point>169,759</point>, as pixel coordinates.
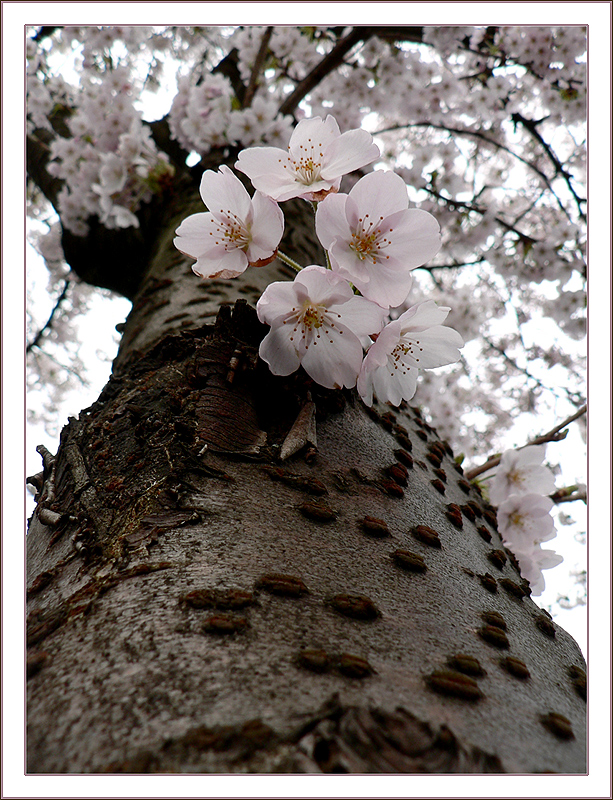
<point>232,572</point>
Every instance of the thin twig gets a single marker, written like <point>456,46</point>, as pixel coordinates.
<point>475,134</point>
<point>554,435</point>
<point>36,340</point>
<point>531,127</point>
<point>569,494</point>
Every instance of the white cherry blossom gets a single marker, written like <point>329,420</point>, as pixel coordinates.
<point>374,239</point>
<point>317,157</point>
<point>235,233</point>
<point>317,322</point>
<point>522,472</point>
<point>525,521</point>
<point>415,340</point>
<point>532,562</point>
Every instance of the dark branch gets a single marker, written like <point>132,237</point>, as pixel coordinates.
<point>327,65</point>
<point>45,31</point>
<point>37,158</point>
<point>37,339</point>
<point>258,66</point>
<point>160,132</point>
<point>473,134</point>
<point>228,66</point>
<point>532,127</point>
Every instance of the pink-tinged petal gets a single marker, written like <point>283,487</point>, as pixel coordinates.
<point>380,194</point>
<point>270,170</point>
<point>276,301</point>
<point>197,225</point>
<point>267,227</point>
<point>416,236</point>
<point>521,472</point>
<point>314,131</point>
<point>393,385</point>
<point>435,347</point>
<point>532,562</point>
<point>365,387</point>
<point>422,316</point>
<point>278,351</point>
<point>385,343</point>
<point>361,316</point>
<point>331,220</point>
<point>222,192</point>
<point>406,384</point>
<point>351,150</point>
<point>333,359</point>
<point>197,235</point>
<point>533,454</point>
<point>317,190</point>
<point>323,286</point>
<point>225,266</point>
<point>385,286</point>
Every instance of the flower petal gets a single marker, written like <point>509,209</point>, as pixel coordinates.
<point>278,351</point>
<point>435,347</point>
<point>380,194</point>
<point>361,316</point>
<point>422,316</point>
<point>267,228</point>
<point>334,359</point>
<point>351,150</point>
<point>386,286</point>
<point>324,286</point>
<point>270,170</point>
<point>222,191</point>
<point>331,220</point>
<point>226,265</point>
<point>276,301</point>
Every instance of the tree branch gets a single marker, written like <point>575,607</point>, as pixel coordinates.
<point>328,63</point>
<point>36,340</point>
<point>482,137</point>
<point>258,65</point>
<point>228,66</point>
<point>568,494</point>
<point>554,435</point>
<point>531,127</point>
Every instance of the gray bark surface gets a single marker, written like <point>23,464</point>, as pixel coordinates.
<point>197,603</point>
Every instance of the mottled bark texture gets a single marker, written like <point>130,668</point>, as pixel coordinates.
<point>232,572</point>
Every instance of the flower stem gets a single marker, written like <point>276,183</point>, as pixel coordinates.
<point>289,261</point>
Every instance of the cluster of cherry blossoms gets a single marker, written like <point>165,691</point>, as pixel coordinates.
<point>109,164</point>
<point>520,489</point>
<point>204,116</point>
<point>329,315</point>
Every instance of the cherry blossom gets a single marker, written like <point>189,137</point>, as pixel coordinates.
<point>415,340</point>
<point>317,322</point>
<point>235,233</point>
<point>525,521</point>
<point>532,562</point>
<point>520,472</point>
<point>317,157</point>
<point>374,239</point>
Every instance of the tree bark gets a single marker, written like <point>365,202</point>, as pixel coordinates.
<point>232,572</point>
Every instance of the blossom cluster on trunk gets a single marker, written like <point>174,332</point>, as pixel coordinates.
<point>520,489</point>
<point>372,241</point>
